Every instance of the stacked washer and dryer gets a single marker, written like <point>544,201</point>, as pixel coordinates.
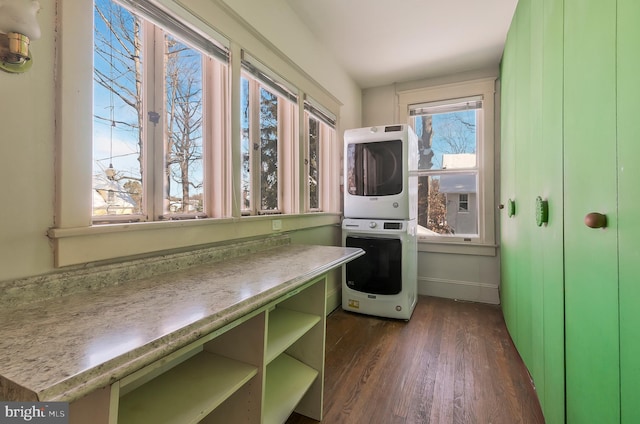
<point>380,212</point>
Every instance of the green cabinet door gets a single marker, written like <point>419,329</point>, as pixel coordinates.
<point>532,291</point>
<point>591,259</point>
<point>523,164</point>
<point>508,199</point>
<point>537,186</point>
<point>550,236</point>
<point>628,67</point>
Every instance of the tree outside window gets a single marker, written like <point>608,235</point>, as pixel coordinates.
<point>162,145</point>
<point>313,163</point>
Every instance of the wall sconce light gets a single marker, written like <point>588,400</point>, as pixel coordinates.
<point>18,25</point>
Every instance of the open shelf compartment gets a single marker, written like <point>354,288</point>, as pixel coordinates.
<point>186,393</point>
<point>287,381</point>
<point>285,327</point>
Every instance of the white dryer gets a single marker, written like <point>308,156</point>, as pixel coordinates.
<point>380,165</point>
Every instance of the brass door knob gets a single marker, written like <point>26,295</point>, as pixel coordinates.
<point>595,220</point>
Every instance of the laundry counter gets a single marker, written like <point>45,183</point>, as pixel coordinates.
<point>66,347</point>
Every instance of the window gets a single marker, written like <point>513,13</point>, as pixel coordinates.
<point>268,127</point>
<point>463,203</point>
<point>320,135</point>
<point>117,122</point>
<point>448,137</point>
<point>154,84</point>
<point>146,180</point>
<point>454,125</point>
<point>183,161</point>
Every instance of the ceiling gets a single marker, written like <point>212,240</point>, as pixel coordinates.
<point>380,42</point>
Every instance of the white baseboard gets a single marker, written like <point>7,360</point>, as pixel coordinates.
<point>462,290</point>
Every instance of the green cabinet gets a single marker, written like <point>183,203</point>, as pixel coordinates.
<point>628,224</point>
<point>570,293</point>
<point>591,263</point>
<point>551,305</point>
<point>508,206</point>
<point>531,168</point>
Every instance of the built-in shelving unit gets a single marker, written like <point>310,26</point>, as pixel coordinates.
<point>258,369</point>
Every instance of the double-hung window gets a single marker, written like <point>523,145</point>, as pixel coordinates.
<point>454,125</point>
<point>448,138</point>
<point>160,91</point>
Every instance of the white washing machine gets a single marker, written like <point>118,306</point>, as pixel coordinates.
<point>384,281</point>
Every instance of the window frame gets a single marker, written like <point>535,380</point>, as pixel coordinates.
<point>75,240</point>
<point>326,145</point>
<point>447,107</point>
<point>307,162</point>
<point>214,80</point>
<point>485,242</point>
<point>287,135</point>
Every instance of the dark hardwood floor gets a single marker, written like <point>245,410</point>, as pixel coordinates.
<point>453,362</point>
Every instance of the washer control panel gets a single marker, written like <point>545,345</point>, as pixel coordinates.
<point>393,225</point>
<point>377,225</point>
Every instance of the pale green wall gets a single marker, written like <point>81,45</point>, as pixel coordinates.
<point>276,21</point>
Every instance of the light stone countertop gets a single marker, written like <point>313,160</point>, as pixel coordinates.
<point>65,347</point>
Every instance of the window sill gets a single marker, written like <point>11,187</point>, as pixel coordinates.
<point>82,245</point>
<point>457,248</point>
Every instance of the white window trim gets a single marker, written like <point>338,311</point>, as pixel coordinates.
<point>320,143</point>
<point>329,171</point>
<point>325,140</point>
<point>485,243</point>
<point>288,157</point>
<point>287,151</point>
